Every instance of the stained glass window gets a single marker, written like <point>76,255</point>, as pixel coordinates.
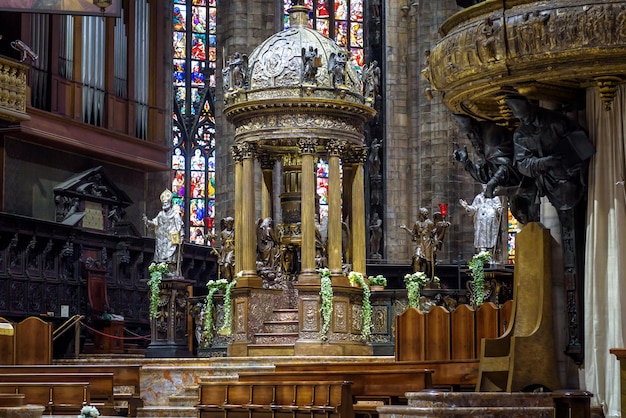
<point>193,127</point>
<point>341,20</point>
<point>513,228</point>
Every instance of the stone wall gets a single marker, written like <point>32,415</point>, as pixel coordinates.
<point>420,171</point>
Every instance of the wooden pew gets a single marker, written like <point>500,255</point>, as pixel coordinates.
<point>284,399</point>
<point>366,384</point>
<point>100,385</point>
<point>126,378</point>
<point>56,397</point>
<point>454,374</point>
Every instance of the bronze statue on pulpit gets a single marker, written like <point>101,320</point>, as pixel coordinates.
<point>552,149</point>
<point>494,166</point>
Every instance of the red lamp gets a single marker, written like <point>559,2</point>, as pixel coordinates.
<point>443,208</point>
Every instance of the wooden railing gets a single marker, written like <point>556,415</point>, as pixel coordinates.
<point>13,90</point>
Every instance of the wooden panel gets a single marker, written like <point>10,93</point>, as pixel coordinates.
<point>410,336</point>
<point>486,323</point>
<point>464,332</point>
<point>505,316</point>
<point>437,338</point>
<point>7,348</point>
<point>33,341</point>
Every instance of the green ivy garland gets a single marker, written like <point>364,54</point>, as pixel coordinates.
<point>207,328</point>
<point>356,277</point>
<point>414,282</point>
<point>326,308</point>
<point>156,271</point>
<point>379,280</point>
<point>477,268</point>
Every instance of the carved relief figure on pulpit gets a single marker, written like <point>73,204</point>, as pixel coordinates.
<point>168,229</point>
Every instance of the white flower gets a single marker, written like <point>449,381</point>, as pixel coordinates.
<point>89,412</point>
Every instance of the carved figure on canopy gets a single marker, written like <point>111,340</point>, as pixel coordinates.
<point>337,67</point>
<point>309,72</point>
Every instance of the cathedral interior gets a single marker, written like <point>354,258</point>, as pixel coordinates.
<point>200,198</point>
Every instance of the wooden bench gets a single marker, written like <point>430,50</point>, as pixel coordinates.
<point>370,388</point>
<point>126,378</point>
<point>286,399</point>
<point>100,385</point>
<point>450,374</point>
<point>366,384</point>
<point>56,397</point>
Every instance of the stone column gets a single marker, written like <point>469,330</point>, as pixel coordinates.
<point>248,232</point>
<point>307,250</point>
<point>267,188</point>
<point>334,207</point>
<point>357,215</point>
<point>238,158</point>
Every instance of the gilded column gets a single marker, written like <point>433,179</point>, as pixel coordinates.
<point>238,158</point>
<point>267,189</point>
<point>357,243</point>
<point>334,207</point>
<point>307,255</point>
<point>248,235</point>
<point>347,162</point>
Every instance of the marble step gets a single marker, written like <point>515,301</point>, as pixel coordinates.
<point>280,326</point>
<point>167,412</point>
<point>434,399</point>
<point>285,315</point>
<point>184,399</point>
<point>466,411</point>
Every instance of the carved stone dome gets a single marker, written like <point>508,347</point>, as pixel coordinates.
<point>297,83</point>
<point>279,61</point>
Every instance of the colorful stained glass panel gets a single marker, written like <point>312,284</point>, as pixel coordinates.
<point>198,16</point>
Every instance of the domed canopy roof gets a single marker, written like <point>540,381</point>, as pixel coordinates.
<point>280,60</point>
<point>297,83</point>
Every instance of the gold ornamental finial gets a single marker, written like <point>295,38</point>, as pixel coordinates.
<point>298,14</point>
<point>607,89</point>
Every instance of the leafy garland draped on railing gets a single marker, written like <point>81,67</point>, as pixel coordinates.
<point>208,325</point>
<point>477,267</point>
<point>414,282</point>
<point>356,277</point>
<point>156,271</point>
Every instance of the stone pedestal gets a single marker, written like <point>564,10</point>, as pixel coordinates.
<point>169,328</point>
<point>344,336</point>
